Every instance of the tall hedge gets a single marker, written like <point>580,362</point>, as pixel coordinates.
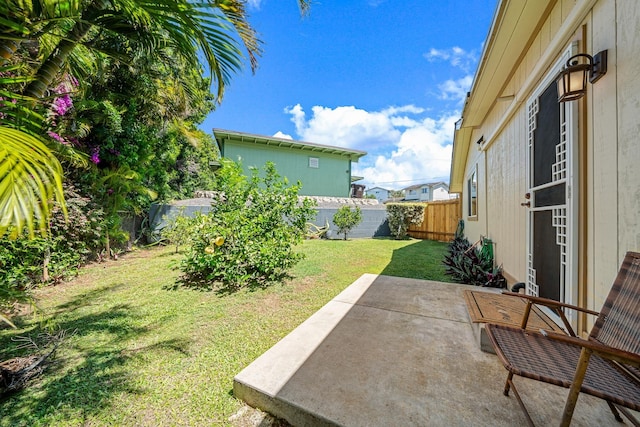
<point>402,215</point>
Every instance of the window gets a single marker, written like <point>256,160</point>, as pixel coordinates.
<point>314,162</point>
<point>425,190</point>
<point>473,193</point>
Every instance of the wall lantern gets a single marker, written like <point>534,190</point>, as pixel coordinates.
<point>572,80</point>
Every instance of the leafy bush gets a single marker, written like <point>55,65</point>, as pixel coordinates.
<point>247,238</point>
<point>26,262</point>
<point>71,243</point>
<point>402,215</point>
<point>178,229</point>
<point>467,263</point>
<point>346,219</point>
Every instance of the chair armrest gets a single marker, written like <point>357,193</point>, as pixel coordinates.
<point>551,303</point>
<point>601,350</point>
<point>556,306</point>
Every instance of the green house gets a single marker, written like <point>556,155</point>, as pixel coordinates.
<point>323,170</point>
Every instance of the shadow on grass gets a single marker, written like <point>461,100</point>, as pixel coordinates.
<point>89,368</point>
<point>419,260</point>
<point>224,289</point>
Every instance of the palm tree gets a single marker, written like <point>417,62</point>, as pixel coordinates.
<point>189,27</point>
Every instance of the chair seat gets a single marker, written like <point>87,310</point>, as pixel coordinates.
<point>532,355</point>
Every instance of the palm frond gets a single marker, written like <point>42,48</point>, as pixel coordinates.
<point>30,180</point>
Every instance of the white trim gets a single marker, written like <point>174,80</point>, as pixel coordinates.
<point>569,225</point>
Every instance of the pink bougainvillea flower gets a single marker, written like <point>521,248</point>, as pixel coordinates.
<point>95,155</point>
<point>58,138</point>
<point>62,104</point>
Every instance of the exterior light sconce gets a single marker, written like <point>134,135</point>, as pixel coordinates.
<point>572,80</point>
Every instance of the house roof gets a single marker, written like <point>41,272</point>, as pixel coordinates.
<point>221,135</point>
<point>429,184</point>
<point>514,28</point>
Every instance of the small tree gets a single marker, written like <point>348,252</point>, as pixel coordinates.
<point>402,215</point>
<point>178,229</point>
<point>247,238</point>
<point>346,219</point>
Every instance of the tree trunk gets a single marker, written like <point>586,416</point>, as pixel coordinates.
<point>7,49</point>
<point>45,264</point>
<point>107,246</point>
<point>52,66</point>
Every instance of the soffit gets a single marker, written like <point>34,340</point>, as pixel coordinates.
<point>221,135</point>
<point>514,25</point>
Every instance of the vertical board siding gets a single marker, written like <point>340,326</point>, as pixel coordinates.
<point>627,63</point>
<point>602,151</point>
<point>506,187</point>
<point>440,221</point>
<point>506,160</point>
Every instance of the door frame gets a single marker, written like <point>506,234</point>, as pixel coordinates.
<point>568,111</point>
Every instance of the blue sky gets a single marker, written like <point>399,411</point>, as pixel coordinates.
<point>387,77</point>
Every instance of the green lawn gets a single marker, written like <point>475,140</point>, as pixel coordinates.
<point>143,354</point>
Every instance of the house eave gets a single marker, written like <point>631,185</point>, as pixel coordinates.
<point>221,134</point>
<point>511,29</point>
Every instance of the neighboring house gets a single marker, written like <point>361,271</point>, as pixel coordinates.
<point>381,194</point>
<point>323,170</point>
<point>555,185</point>
<point>427,192</point>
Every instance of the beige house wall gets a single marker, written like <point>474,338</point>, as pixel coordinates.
<point>475,226</point>
<point>609,140</point>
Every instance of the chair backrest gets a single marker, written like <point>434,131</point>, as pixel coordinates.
<point>618,324</point>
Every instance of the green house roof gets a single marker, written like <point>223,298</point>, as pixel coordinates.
<point>221,135</point>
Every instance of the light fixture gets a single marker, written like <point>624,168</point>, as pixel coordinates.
<point>572,80</point>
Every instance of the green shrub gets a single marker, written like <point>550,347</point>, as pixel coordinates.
<point>178,229</point>
<point>402,215</point>
<point>472,264</point>
<point>72,242</point>
<point>346,219</point>
<point>26,262</point>
<point>247,238</point>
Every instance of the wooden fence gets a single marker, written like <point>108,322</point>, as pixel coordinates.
<point>440,221</point>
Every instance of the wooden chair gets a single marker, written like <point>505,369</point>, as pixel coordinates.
<point>605,365</point>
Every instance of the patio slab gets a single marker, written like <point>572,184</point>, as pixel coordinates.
<point>391,351</point>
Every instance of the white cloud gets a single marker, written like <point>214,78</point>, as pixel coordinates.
<point>254,4</point>
<point>456,56</point>
<point>403,109</point>
<point>351,127</point>
<point>405,147</point>
<point>422,154</point>
<point>435,54</point>
<point>282,135</point>
<point>455,89</point>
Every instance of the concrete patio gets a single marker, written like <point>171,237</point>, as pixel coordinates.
<point>391,351</point>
